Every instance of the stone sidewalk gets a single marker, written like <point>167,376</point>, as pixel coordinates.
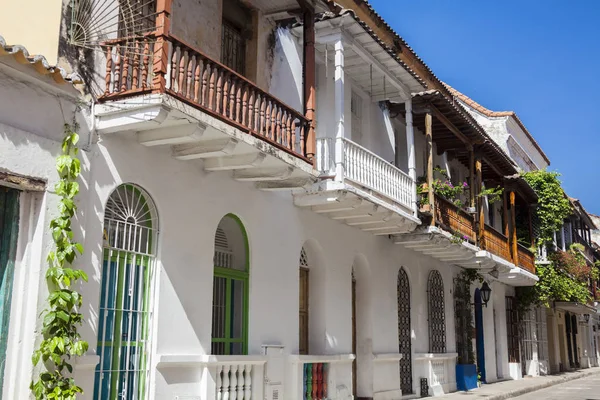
<point>509,389</point>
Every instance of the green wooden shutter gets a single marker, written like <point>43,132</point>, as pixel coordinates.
<point>9,228</point>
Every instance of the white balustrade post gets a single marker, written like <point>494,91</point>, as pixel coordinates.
<point>410,148</point>
<point>241,382</point>
<point>339,109</point>
<point>225,384</point>
<point>233,381</point>
<point>248,382</point>
<point>219,382</point>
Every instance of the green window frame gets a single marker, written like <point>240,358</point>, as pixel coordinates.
<point>124,313</point>
<point>230,303</point>
<point>9,230</point>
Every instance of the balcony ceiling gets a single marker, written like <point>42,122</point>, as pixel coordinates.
<point>191,135</point>
<point>495,163</point>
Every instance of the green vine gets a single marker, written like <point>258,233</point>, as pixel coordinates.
<point>61,340</point>
<point>493,194</point>
<point>462,297</point>
<point>565,278</point>
<point>553,205</point>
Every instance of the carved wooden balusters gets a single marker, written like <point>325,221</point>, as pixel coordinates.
<point>315,381</point>
<point>197,79</point>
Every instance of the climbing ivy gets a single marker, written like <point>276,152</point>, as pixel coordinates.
<point>61,339</point>
<point>553,205</point>
<point>565,277</point>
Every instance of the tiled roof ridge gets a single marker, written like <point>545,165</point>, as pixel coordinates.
<point>38,62</point>
<point>489,113</point>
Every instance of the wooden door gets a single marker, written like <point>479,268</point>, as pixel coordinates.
<point>303,311</point>
<point>9,224</point>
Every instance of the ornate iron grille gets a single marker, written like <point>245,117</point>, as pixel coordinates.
<point>437,317</point>
<point>512,330</point>
<point>462,311</point>
<point>233,48</point>
<point>404,340</point>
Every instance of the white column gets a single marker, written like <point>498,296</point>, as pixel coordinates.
<point>564,239</point>
<point>339,109</point>
<point>410,148</point>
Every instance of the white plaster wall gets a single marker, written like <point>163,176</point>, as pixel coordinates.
<point>31,127</point>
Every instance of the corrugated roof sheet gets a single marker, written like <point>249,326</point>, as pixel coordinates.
<point>38,63</point>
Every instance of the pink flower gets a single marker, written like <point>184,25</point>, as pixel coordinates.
<point>465,185</point>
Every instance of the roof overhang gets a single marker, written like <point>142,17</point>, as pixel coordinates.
<point>368,61</point>
<point>447,112</point>
<point>574,307</point>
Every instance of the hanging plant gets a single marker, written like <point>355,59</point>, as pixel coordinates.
<point>493,194</point>
<point>462,297</point>
<point>442,187</point>
<point>61,339</point>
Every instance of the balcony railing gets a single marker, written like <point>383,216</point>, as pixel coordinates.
<point>526,259</point>
<point>208,85</point>
<point>496,243</point>
<point>366,169</point>
<point>587,249</point>
<point>452,217</point>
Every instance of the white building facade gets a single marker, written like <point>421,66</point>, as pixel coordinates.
<point>250,232</point>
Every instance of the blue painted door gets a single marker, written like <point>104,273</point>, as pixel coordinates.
<point>479,334</point>
<point>9,228</point>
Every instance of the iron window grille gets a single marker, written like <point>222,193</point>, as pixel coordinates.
<point>404,336</point>
<point>437,311</point>
<point>233,48</point>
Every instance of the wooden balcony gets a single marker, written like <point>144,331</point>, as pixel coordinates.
<point>172,94</point>
<point>205,84</point>
<point>496,243</point>
<point>526,259</point>
<point>588,252</point>
<point>452,218</point>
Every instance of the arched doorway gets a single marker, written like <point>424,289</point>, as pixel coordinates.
<point>404,332</point>
<point>230,288</point>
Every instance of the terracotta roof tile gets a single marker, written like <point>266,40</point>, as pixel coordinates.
<point>489,113</point>
<point>38,63</point>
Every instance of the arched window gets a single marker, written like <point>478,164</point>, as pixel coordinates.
<point>404,336</point>
<point>303,303</point>
<point>230,288</point>
<point>129,245</point>
<point>437,313</point>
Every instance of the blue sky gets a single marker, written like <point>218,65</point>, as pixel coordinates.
<point>540,58</point>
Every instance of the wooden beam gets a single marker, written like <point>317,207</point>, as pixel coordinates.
<point>493,167</point>
<point>429,138</point>
<point>309,68</point>
<point>442,118</point>
<point>513,217</point>
<point>472,178</point>
<point>478,187</point>
<point>22,182</point>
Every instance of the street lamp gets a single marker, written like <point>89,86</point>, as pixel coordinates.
<point>486,292</point>
<point>586,317</point>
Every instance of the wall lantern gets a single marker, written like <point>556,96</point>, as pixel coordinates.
<point>486,292</point>
<point>586,317</point>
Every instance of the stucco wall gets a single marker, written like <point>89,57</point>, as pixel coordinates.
<point>33,24</point>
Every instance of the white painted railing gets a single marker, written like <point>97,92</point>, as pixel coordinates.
<point>231,377</point>
<point>439,369</point>
<point>234,382</point>
<point>367,169</point>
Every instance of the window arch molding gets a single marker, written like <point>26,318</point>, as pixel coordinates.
<point>129,242</point>
<point>436,312</point>
<point>231,275</point>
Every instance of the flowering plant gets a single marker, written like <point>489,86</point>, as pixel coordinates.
<point>443,187</point>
